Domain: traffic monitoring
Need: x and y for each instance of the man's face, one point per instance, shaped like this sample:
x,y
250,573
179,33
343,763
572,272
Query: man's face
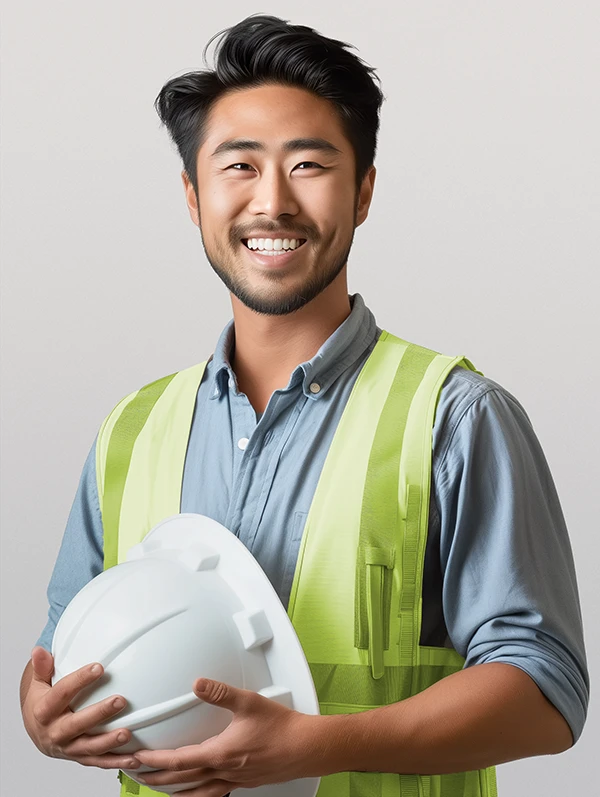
x,y
276,171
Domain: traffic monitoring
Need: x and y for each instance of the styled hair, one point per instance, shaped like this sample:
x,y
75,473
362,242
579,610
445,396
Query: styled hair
x,y
263,50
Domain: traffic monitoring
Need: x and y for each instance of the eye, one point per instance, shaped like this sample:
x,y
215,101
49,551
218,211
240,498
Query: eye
x,y
309,163
235,165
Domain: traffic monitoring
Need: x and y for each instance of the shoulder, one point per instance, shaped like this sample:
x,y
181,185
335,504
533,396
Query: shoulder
x,y
135,407
469,400
152,391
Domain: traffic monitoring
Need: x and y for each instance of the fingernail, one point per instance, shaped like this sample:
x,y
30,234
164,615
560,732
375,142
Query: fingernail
x,y
118,702
122,737
132,765
96,669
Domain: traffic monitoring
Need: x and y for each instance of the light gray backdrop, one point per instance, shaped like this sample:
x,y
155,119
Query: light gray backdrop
x,y
482,239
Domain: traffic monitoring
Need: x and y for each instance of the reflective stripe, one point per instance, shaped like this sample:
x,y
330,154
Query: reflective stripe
x,y
379,514
383,784
103,441
152,491
410,626
120,449
351,686
139,472
360,783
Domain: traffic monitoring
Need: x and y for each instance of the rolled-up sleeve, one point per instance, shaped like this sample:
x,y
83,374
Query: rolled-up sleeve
x,y
509,586
81,555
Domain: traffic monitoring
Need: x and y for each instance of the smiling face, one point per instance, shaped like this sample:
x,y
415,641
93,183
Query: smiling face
x,y
275,172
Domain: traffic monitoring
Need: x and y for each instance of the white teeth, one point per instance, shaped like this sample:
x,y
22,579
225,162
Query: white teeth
x,y
273,244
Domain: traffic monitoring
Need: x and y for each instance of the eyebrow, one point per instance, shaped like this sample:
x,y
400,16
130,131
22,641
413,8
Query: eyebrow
x,y
294,145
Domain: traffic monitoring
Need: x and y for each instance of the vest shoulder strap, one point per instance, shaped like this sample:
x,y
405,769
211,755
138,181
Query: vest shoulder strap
x,y
132,501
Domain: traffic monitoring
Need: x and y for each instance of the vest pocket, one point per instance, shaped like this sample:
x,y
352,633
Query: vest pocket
x,y
372,603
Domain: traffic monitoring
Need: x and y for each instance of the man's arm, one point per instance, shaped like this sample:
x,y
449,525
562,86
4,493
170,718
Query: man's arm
x,y
482,716
81,555
509,588
479,717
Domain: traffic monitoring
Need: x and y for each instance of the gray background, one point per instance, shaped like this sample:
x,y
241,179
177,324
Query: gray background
x,y
482,239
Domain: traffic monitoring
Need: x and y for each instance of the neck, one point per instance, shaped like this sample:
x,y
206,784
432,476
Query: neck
x,y
268,348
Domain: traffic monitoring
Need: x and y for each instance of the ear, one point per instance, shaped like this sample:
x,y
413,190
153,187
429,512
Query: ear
x,y
365,195
191,198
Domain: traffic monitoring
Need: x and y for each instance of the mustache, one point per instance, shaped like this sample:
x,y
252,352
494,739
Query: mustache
x,y
298,231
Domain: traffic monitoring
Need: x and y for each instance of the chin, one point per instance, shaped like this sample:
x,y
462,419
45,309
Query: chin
x,y
272,305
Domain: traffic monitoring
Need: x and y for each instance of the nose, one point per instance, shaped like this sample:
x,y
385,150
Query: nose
x,y
273,195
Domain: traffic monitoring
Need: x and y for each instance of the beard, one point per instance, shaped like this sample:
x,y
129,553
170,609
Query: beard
x,y
276,300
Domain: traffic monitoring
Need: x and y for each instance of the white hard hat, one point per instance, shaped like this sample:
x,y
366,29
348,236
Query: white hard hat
x,y
190,601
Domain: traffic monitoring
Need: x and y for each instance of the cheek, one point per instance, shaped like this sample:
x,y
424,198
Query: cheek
x,y
331,204
221,202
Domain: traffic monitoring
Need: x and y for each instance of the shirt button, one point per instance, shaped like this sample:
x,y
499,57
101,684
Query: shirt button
x,y
216,392
242,443
315,387
230,382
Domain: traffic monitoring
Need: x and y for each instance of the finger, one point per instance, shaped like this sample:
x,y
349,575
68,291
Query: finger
x,y
109,761
165,776
223,695
85,745
190,757
83,720
43,664
62,693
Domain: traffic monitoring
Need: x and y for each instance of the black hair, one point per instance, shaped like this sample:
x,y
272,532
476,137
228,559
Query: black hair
x,y
262,50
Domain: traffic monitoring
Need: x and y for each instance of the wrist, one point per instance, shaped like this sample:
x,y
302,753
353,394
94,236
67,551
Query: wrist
x,y
332,743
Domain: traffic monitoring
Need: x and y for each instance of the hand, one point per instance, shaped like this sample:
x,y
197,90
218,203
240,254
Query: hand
x,y
264,743
61,733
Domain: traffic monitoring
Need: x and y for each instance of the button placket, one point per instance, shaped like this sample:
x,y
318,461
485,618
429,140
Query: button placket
x,y
243,426
254,470
271,465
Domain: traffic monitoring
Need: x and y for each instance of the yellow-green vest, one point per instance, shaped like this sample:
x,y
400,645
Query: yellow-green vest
x,y
356,597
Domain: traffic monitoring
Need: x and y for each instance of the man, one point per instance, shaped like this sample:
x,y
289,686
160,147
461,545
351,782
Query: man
x,y
278,147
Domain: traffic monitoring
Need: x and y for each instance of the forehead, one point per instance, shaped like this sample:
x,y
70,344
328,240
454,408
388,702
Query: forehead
x,y
272,114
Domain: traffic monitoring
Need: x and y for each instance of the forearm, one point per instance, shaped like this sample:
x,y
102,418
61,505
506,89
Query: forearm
x,y
481,716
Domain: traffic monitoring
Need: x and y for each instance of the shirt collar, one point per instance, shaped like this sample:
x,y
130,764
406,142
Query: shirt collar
x,y
340,351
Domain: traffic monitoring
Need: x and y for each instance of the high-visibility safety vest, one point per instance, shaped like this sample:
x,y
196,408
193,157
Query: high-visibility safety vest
x,y
356,597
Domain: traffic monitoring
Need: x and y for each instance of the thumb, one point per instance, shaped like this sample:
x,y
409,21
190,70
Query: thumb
x,y
43,664
220,694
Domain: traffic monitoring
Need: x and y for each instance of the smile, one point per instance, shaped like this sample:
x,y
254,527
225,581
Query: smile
x,y
273,246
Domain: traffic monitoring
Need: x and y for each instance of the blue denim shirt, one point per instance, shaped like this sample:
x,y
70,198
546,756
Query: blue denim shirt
x,y
499,582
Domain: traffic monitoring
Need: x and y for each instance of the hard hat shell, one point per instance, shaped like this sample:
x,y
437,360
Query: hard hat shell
x,y
190,601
